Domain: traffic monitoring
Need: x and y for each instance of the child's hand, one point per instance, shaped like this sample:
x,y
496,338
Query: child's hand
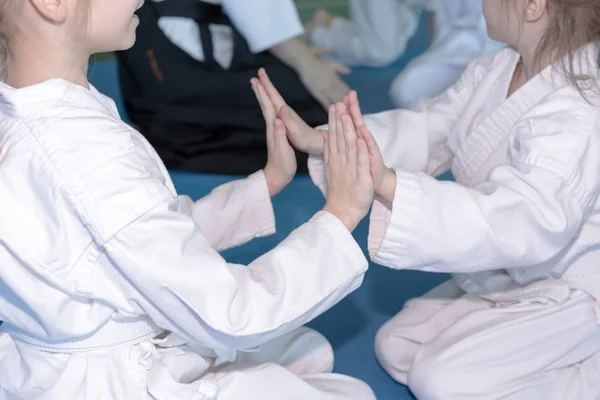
x,y
378,168
302,136
281,165
347,170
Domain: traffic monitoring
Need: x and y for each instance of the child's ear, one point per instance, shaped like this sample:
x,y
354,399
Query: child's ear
x,y
53,10
535,10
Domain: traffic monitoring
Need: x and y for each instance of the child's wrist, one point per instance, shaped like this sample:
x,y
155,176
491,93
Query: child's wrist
x,y
387,188
349,217
275,183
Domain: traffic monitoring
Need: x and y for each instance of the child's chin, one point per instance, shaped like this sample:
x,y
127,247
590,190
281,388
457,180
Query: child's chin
x,y
127,44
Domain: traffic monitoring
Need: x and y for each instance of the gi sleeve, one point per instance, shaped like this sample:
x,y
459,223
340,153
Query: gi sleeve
x,y
527,211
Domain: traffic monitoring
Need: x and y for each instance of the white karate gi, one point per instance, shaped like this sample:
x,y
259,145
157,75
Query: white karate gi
x,y
520,229
378,31
263,23
99,259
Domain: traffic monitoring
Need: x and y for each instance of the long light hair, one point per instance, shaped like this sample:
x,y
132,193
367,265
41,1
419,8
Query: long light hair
x,y
572,24
5,6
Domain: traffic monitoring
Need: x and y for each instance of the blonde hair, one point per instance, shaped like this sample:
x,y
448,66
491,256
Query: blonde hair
x,y
572,24
4,4
3,59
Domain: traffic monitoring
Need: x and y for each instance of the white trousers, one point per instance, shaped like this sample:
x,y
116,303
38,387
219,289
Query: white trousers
x,y
295,366
537,343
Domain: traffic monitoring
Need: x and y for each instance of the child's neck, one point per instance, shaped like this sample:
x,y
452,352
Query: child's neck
x,y
527,68
30,65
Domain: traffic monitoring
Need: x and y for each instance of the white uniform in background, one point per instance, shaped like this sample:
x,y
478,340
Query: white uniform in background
x,y
460,37
378,32
375,35
100,259
263,23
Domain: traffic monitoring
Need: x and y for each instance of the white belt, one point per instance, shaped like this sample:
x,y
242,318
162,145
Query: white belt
x,y
148,335
113,334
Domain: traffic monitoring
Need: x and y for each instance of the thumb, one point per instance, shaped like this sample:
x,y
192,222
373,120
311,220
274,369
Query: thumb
x,y
285,117
279,133
291,119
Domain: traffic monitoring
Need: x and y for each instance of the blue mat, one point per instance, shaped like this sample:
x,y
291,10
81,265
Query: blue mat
x,y
351,325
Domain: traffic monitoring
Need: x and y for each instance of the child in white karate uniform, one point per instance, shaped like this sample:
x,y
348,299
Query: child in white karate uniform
x,y
519,229
111,285
378,31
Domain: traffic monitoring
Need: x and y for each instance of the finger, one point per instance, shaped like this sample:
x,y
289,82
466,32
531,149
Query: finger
x,y
346,101
350,135
372,145
253,82
266,115
353,95
339,68
263,100
332,132
349,139
268,108
280,136
363,162
269,112
273,93
357,117
355,111
341,140
285,114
